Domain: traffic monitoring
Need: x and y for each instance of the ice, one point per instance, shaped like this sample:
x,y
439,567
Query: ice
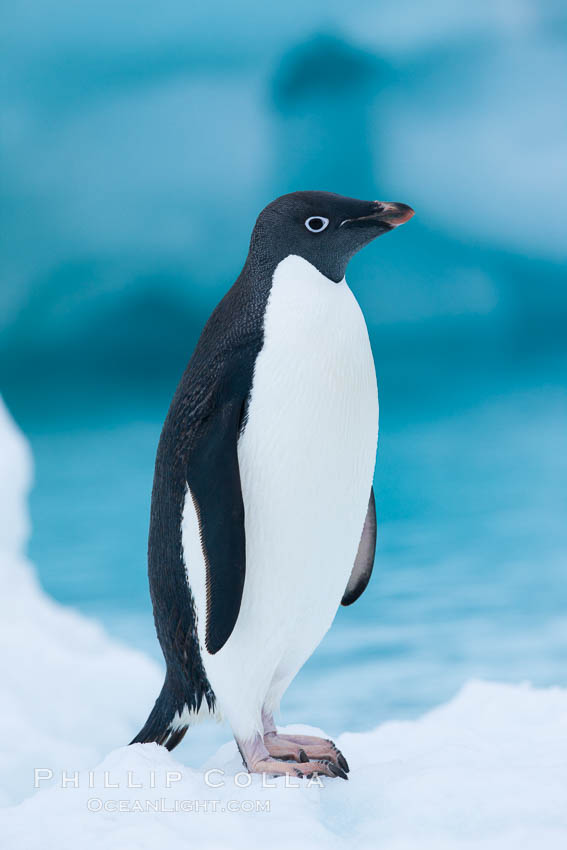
x,y
68,693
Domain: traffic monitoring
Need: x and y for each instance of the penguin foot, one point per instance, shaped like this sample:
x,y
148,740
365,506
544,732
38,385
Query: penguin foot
x,y
303,770
258,758
305,748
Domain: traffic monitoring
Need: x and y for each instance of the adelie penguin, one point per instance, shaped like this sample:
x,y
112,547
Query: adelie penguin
x,y
262,517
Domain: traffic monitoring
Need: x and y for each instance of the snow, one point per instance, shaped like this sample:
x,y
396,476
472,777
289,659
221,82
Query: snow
x,y
486,770
67,692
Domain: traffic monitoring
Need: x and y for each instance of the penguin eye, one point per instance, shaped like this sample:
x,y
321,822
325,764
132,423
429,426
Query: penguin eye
x,y
316,223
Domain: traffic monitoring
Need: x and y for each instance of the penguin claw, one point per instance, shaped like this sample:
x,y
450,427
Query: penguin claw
x,y
341,760
337,771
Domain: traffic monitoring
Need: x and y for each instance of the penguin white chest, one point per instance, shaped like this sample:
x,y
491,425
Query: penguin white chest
x,y
306,459
307,455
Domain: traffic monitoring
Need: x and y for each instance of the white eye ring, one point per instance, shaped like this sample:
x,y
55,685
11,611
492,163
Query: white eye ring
x,y
316,220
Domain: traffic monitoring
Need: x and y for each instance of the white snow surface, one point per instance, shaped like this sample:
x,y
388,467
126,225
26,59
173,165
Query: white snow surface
x,y
486,770
68,693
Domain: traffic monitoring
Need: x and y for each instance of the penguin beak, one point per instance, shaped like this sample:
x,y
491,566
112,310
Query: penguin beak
x,y
384,213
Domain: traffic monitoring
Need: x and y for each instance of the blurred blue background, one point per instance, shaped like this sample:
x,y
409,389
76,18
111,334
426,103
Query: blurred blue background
x,y
139,143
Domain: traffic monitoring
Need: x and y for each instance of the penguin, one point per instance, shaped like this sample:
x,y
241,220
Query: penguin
x,y
263,518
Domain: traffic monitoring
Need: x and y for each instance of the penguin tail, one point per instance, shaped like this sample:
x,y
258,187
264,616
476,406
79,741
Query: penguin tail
x,y
167,723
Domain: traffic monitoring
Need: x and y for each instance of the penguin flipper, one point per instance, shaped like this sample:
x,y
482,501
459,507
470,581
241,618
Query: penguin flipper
x,y
213,478
364,561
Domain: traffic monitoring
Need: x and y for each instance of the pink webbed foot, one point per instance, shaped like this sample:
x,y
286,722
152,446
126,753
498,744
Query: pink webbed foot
x,y
259,758
301,748
304,748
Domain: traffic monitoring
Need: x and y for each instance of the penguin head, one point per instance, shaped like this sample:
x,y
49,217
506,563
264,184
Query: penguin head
x,y
323,228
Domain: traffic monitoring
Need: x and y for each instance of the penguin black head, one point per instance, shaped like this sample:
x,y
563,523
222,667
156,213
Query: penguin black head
x,y
323,228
